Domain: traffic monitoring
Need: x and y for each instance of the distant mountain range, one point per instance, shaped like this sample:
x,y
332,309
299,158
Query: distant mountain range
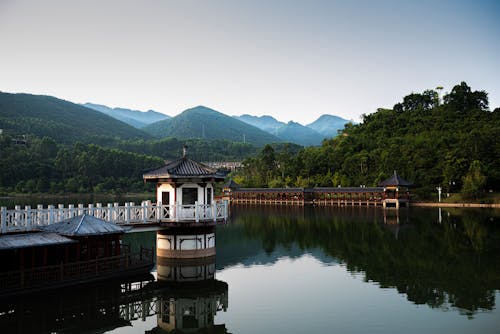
x,y
138,119
326,126
68,122
203,122
61,120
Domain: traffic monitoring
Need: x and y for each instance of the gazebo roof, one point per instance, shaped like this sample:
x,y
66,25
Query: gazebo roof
x,y
181,168
231,184
395,180
84,225
36,239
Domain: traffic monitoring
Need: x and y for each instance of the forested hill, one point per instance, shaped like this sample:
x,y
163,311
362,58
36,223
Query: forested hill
x,y
450,142
65,122
206,123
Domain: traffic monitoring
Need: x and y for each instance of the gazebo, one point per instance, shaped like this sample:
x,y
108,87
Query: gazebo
x,y
183,182
185,194
396,190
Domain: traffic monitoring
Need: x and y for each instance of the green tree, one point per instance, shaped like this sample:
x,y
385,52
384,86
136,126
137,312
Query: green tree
x,y
474,181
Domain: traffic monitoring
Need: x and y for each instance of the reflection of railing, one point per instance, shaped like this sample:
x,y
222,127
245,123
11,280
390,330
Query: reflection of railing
x,y
29,219
75,271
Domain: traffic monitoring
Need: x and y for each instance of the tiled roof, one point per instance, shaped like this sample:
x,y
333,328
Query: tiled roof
x,y
231,184
84,225
34,239
182,167
395,180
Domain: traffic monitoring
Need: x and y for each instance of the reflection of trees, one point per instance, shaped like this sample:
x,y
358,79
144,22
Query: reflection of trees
x,y
450,264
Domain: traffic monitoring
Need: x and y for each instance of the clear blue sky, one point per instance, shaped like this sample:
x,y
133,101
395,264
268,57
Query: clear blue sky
x,y
294,60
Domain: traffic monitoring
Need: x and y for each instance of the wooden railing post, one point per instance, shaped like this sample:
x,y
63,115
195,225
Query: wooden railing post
x,y
144,208
71,209
17,216
80,210
27,208
116,212
91,210
159,211
40,217
98,210
196,217
214,211
60,213
51,214
3,221
132,212
109,211
127,212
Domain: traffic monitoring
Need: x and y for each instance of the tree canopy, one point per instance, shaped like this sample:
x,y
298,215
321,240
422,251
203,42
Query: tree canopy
x,y
428,142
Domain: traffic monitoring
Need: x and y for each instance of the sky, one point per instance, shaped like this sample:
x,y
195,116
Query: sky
x,y
293,60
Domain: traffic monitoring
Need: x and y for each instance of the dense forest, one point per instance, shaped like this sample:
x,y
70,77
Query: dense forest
x,y
38,165
41,165
450,142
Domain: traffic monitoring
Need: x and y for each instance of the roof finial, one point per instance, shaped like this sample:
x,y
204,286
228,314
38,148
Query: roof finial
x,y
184,151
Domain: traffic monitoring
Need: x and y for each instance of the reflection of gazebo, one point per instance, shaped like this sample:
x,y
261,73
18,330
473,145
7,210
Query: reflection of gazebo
x,y
396,191
191,307
188,296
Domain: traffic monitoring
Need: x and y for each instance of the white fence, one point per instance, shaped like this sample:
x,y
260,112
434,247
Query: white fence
x,y
28,219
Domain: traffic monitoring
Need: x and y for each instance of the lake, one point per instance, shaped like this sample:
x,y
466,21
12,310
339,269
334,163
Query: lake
x,y
303,270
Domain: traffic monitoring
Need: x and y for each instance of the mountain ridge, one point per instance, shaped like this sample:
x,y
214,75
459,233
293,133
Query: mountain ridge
x,y
64,121
204,122
135,118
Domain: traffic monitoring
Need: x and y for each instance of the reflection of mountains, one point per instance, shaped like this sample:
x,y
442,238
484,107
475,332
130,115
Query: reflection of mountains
x,y
450,264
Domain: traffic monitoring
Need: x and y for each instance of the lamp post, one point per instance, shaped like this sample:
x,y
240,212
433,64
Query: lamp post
x,y
439,193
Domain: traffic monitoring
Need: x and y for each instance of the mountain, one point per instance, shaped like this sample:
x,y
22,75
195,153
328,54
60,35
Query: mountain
x,y
203,122
265,123
328,125
65,122
292,132
299,134
136,118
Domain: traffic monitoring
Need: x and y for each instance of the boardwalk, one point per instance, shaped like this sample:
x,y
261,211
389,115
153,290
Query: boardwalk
x,y
30,219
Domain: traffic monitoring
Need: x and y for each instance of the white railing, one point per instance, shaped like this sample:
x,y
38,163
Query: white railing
x,y
27,218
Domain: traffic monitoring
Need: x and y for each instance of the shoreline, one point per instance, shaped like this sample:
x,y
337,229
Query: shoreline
x,y
455,205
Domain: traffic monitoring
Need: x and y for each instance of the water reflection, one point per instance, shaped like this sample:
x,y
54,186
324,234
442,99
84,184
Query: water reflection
x,y
182,303
453,264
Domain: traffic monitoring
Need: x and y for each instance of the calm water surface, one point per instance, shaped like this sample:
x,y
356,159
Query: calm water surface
x,y
306,270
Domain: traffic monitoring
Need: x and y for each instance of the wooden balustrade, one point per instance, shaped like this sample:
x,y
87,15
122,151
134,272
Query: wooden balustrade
x,y
27,219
